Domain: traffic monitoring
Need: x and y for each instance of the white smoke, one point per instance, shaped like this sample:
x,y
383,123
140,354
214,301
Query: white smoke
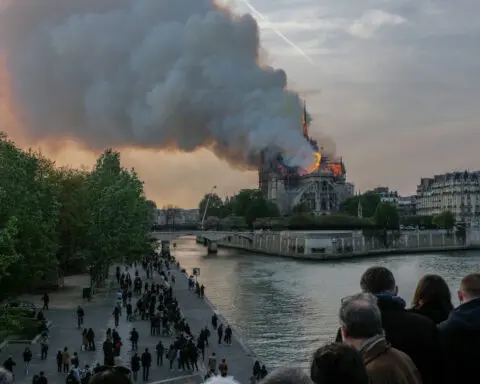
x,y
156,74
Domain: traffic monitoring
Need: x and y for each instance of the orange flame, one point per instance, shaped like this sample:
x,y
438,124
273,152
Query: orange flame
x,y
318,159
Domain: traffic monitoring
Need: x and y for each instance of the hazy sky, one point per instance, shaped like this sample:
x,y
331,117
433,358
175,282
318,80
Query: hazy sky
x,y
395,83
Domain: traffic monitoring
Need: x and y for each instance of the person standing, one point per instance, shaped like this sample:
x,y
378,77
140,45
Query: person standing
x,y
135,365
65,360
46,300
220,333
146,363
134,339
223,368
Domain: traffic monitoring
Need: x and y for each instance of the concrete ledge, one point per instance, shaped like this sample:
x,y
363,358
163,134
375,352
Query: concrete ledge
x,y
10,340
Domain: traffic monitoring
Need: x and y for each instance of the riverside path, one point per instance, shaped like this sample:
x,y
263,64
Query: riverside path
x,y
198,313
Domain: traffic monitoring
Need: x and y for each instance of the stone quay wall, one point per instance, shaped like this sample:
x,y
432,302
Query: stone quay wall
x,y
322,245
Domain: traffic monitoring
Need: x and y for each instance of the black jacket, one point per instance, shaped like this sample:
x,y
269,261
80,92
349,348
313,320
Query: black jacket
x,y
146,359
435,313
413,334
460,337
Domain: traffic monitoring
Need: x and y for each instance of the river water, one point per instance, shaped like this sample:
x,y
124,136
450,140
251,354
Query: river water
x,y
285,309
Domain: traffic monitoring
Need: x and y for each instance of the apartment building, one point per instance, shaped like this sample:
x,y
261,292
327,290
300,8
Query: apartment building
x,y
177,216
457,192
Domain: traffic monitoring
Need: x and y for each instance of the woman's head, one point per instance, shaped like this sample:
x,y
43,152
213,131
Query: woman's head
x,y
432,289
110,375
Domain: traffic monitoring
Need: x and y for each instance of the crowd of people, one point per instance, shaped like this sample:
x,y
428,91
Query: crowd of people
x,y
379,340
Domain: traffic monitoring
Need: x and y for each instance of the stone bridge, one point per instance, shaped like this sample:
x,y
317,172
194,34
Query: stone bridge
x,y
208,236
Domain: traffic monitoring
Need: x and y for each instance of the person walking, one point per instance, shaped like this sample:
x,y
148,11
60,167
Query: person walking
x,y
44,347
27,357
135,365
146,363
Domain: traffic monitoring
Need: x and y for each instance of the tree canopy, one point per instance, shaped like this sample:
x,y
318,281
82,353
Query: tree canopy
x,y
444,220
386,216
61,220
248,204
369,202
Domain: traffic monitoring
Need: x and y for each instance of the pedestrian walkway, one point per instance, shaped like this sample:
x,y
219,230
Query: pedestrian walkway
x,y
63,333
198,313
99,316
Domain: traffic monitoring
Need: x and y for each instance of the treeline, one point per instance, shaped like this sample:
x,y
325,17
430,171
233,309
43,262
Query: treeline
x,y
250,210
59,220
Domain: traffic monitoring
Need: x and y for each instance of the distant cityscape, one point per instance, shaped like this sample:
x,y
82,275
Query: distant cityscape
x,y
457,192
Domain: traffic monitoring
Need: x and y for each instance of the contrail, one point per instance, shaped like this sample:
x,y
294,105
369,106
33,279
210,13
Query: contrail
x,y
278,32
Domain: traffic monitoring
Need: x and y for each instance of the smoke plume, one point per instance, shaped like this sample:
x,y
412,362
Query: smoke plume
x,y
156,74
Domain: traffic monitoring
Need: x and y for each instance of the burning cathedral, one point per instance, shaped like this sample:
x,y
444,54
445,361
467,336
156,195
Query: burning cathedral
x,y
321,189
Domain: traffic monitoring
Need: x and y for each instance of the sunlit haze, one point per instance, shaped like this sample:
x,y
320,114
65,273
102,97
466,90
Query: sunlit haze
x,y
394,85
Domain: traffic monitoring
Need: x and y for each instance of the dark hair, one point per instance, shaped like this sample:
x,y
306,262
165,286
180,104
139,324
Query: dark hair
x,y
432,289
287,376
471,285
338,363
360,316
110,375
377,280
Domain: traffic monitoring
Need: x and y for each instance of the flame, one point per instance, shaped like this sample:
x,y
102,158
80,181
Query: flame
x,y
318,159
336,169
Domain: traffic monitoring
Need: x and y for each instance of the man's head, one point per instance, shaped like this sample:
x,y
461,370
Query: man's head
x,y
338,363
360,318
469,288
287,376
378,280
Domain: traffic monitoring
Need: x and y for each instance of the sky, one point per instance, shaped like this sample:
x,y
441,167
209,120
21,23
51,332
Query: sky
x,y
394,83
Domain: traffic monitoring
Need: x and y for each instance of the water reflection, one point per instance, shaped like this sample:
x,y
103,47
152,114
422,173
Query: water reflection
x,y
286,308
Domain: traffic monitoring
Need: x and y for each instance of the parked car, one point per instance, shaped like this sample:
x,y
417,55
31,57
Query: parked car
x,y
28,307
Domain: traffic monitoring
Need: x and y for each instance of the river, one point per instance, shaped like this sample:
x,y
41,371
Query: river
x,y
285,309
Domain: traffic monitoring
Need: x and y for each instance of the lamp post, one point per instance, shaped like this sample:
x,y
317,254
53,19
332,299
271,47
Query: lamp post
x,y
206,205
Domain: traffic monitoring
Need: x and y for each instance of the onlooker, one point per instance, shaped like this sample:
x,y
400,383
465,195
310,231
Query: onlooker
x,y
287,376
109,375
27,358
223,368
414,334
338,363
362,329
66,360
432,298
460,333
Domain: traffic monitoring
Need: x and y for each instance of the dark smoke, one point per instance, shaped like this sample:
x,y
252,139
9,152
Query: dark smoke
x,y
156,74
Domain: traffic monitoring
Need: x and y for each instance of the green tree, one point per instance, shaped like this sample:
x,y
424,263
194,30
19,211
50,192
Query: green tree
x,y
244,199
118,224
28,217
215,205
73,219
444,220
386,217
369,202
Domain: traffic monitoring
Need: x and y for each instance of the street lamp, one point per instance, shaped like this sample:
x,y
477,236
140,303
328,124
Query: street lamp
x,y
206,205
